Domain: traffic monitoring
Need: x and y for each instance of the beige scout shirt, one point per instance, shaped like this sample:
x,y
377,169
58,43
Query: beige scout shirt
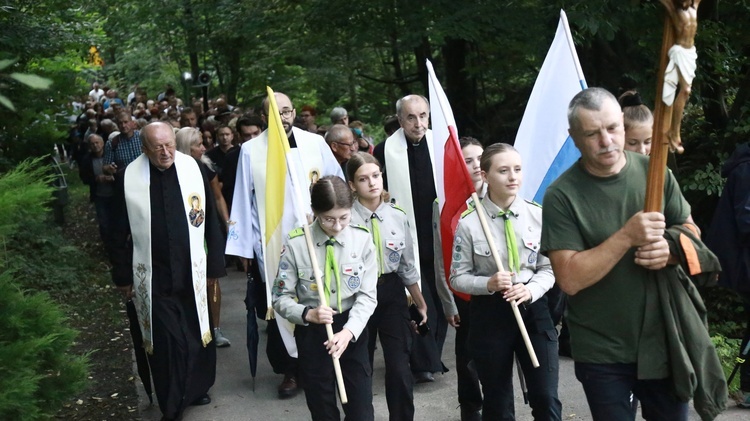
x,y
295,287
398,253
473,263
441,281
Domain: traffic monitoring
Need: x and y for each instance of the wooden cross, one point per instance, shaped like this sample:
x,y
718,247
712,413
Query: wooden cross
x,y
680,25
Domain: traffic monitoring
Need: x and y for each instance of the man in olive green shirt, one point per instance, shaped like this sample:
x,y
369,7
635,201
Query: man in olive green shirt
x,y
602,247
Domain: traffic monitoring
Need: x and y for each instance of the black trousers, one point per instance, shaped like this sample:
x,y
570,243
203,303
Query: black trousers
x,y
255,303
319,380
427,350
182,369
469,391
391,321
495,339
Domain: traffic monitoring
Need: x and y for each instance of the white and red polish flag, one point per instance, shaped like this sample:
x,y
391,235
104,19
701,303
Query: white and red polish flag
x,y
453,183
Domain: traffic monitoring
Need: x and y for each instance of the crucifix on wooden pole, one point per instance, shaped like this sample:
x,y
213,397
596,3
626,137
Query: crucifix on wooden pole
x,y
676,72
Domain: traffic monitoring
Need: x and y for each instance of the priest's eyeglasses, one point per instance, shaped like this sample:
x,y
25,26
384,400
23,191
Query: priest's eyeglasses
x,y
163,147
286,113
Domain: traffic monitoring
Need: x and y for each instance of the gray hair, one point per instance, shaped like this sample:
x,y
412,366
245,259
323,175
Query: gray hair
x,y
108,125
186,137
400,102
337,114
336,133
590,99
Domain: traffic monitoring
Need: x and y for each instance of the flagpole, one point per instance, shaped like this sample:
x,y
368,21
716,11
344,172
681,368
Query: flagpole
x,y
496,256
318,281
572,46
445,109
322,298
274,113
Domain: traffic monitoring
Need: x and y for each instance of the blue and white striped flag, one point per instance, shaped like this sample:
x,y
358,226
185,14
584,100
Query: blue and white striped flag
x,y
542,138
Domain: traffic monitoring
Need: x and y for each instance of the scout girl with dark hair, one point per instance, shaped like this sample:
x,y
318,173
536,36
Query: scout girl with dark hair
x,y
346,256
494,337
395,266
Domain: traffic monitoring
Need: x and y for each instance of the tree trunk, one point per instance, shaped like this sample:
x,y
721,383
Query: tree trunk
x,y
460,89
422,53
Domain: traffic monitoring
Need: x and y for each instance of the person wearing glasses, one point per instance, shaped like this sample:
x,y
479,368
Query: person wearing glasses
x,y
309,155
346,257
342,143
166,267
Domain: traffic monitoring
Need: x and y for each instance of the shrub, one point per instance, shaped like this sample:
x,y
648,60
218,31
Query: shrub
x,y
36,250
728,350
37,372
37,368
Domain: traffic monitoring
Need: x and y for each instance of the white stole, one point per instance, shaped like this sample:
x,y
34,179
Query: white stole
x,y
399,179
138,201
304,167
312,163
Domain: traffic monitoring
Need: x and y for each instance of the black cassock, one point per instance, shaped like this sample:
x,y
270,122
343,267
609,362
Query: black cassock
x,y
182,368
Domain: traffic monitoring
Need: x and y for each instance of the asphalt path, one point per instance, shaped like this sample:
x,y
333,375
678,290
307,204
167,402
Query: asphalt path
x,y
233,398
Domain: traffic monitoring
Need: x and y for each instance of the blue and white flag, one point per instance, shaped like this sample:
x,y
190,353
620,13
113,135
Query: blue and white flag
x,y
542,138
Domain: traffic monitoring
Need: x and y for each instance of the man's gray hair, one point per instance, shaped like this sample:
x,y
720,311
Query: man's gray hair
x,y
590,99
401,101
108,125
336,133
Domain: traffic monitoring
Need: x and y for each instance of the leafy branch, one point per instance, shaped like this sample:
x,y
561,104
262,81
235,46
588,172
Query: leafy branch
x,y
30,80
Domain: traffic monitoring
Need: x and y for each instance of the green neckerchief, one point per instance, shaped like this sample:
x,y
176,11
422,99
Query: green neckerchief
x,y
332,266
378,243
510,241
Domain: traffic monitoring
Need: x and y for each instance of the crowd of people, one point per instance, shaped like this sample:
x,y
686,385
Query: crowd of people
x,y
181,193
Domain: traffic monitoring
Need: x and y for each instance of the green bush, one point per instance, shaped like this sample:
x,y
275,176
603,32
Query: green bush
x,y
30,245
37,372
728,350
24,193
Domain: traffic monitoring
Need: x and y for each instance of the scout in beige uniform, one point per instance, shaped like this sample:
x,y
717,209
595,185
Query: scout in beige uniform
x,y
391,236
494,336
456,306
346,256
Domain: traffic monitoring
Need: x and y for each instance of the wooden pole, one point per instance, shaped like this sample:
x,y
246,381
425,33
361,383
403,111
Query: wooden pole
x,y
662,123
496,256
322,298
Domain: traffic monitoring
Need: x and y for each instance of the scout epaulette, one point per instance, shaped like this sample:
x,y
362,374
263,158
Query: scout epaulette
x,y
362,227
296,232
395,206
531,202
467,212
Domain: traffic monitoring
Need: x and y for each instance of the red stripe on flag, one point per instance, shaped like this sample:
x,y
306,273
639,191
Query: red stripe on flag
x,y
458,189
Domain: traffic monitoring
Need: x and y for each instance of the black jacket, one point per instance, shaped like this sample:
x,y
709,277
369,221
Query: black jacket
x,y
729,234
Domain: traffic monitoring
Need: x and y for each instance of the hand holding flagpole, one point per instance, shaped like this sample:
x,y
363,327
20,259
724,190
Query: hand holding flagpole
x,y
454,185
275,124
514,305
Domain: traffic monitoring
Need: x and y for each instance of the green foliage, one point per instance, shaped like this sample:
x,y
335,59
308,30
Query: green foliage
x,y
728,350
30,245
37,372
707,180
24,191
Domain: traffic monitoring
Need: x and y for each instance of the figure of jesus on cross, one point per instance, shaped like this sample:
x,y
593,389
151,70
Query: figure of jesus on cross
x,y
682,63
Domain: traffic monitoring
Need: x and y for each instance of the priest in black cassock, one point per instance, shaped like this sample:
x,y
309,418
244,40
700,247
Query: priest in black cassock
x,y
176,245
406,158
